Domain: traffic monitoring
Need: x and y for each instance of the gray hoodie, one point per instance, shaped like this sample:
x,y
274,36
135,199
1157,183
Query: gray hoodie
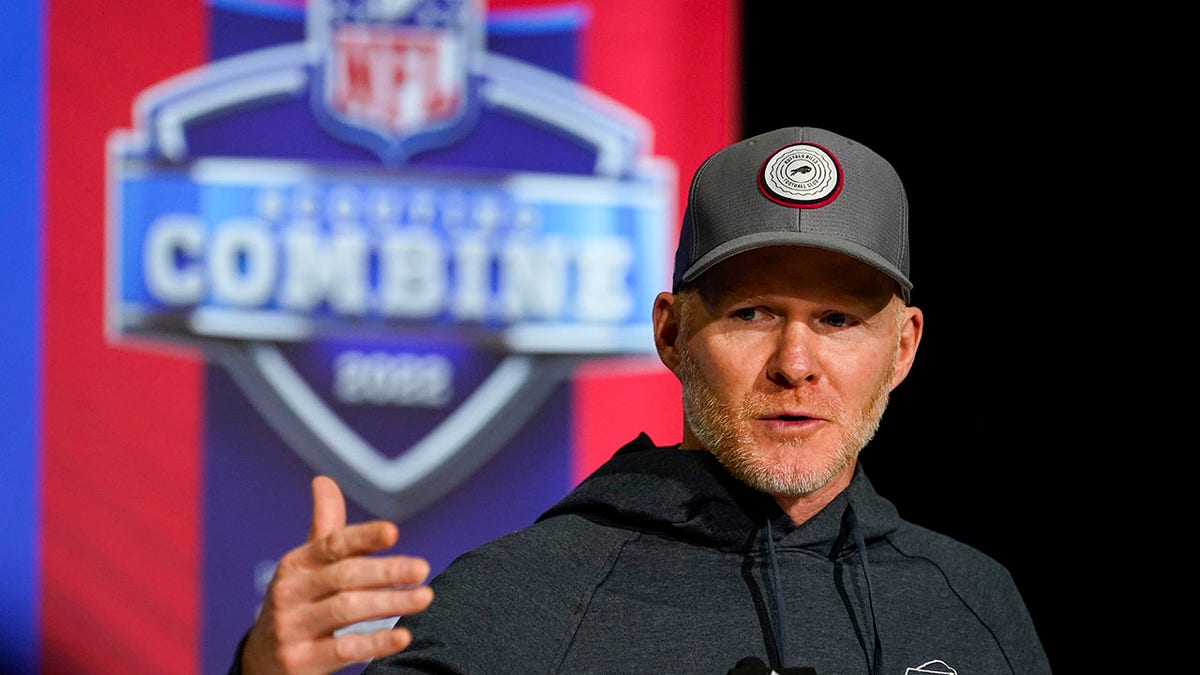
x,y
662,562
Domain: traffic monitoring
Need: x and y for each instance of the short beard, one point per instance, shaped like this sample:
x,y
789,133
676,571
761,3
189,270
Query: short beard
x,y
722,428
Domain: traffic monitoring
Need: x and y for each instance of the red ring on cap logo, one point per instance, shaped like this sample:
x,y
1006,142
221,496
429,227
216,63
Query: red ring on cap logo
x,y
801,175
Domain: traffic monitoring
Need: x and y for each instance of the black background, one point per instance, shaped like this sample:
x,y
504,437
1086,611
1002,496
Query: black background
x,y
981,121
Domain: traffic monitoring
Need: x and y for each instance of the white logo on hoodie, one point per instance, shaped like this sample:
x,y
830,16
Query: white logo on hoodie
x,y
934,667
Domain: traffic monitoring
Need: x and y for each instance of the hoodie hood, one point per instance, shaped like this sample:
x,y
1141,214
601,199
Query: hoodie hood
x,y
689,495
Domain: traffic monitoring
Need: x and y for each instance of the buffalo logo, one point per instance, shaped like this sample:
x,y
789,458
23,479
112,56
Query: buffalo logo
x,y
802,175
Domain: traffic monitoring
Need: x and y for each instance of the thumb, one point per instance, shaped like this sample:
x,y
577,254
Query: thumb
x,y
329,507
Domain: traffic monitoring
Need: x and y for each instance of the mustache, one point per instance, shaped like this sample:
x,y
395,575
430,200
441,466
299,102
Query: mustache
x,y
812,404
699,394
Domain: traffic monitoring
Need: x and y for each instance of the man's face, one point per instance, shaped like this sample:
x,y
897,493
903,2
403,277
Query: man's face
x,y
786,356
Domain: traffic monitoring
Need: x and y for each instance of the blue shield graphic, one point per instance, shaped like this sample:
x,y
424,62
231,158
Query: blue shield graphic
x,y
396,293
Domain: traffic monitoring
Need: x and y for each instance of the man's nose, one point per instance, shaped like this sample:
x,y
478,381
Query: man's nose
x,y
794,358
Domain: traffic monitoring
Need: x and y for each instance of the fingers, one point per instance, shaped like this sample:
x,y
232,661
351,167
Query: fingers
x,y
329,507
332,653
371,572
304,608
314,600
353,647
328,654
329,536
351,607
330,582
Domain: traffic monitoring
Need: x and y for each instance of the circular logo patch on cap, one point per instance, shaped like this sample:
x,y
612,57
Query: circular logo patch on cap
x,y
803,175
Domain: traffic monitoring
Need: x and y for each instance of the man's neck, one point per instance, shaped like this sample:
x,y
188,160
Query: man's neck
x,y
800,508
803,507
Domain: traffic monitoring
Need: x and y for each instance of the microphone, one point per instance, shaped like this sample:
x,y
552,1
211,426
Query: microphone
x,y
752,665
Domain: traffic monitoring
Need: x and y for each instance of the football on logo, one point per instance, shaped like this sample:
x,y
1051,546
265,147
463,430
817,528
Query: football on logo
x,y
803,175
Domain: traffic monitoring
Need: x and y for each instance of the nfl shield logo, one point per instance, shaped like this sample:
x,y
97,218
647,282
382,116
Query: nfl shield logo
x,y
396,75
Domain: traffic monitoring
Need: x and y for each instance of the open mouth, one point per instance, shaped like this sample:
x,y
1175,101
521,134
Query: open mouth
x,y
789,417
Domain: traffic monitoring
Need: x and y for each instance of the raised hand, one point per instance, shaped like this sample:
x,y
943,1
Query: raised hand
x,y
329,582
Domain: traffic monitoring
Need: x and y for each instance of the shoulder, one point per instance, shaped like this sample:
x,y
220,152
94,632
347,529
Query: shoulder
x,y
980,579
981,583
947,553
562,546
515,600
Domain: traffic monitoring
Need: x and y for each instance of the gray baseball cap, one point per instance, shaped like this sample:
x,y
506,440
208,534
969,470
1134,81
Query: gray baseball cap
x,y
798,186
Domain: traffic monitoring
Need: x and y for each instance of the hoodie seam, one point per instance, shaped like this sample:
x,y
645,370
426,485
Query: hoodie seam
x,y
969,607
584,601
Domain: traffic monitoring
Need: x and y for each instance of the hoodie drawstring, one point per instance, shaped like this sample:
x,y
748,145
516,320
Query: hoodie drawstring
x,y
781,615
777,595
860,543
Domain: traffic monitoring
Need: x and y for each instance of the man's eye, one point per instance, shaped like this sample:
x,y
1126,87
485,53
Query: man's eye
x,y
746,313
838,320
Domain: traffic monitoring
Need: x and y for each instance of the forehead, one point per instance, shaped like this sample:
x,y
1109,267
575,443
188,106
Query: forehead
x,y
799,271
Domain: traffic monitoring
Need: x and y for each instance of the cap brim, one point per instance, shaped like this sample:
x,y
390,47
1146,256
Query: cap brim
x,y
814,240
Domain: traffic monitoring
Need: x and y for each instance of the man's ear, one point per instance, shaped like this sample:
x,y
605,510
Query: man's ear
x,y
666,328
910,339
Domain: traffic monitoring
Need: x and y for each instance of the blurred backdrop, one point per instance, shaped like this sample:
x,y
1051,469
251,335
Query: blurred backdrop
x,y
251,240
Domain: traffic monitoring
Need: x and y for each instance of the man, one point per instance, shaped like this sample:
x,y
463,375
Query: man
x,y
758,539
